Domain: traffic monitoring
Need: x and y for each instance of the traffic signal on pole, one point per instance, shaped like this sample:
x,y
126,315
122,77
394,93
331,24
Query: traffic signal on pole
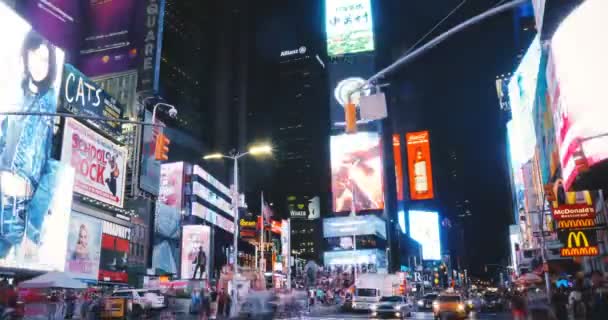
x,y
350,116
161,148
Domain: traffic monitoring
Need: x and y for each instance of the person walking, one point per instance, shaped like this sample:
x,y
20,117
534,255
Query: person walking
x,y
221,303
599,297
203,306
559,302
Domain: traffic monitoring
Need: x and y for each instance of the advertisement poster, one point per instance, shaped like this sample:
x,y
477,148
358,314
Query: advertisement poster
x,y
398,166
100,164
575,84
35,216
196,241
114,252
84,247
102,36
150,167
419,165
285,242
304,207
356,169
349,26
248,227
81,96
424,228
166,238
171,184
578,243
345,75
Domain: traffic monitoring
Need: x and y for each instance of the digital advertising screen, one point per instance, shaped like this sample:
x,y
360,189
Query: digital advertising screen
x,y
424,228
419,165
349,26
356,169
171,184
398,166
99,163
304,207
196,246
522,92
358,226
36,209
114,252
84,247
575,76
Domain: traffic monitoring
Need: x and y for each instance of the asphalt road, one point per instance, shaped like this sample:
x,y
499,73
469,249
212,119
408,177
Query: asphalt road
x,y
341,316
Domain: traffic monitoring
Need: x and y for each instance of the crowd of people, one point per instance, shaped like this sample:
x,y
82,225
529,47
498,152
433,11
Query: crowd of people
x,y
581,301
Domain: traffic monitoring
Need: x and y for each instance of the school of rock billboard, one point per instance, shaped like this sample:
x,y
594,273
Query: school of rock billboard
x,y
100,164
35,213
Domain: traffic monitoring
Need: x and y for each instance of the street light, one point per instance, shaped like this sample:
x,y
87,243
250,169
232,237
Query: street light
x,y
256,150
172,111
235,156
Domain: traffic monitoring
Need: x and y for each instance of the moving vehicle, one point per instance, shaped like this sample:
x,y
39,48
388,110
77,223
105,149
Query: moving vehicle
x,y
392,306
141,299
449,305
492,302
370,287
426,302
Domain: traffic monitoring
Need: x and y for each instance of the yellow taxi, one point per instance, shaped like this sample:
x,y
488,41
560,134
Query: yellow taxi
x,y
450,306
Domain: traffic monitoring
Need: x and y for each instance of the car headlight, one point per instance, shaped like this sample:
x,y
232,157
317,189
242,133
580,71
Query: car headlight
x,y
420,303
354,304
460,307
373,307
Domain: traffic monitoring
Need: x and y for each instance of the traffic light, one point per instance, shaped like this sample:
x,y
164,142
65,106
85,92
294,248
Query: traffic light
x,y
161,148
351,117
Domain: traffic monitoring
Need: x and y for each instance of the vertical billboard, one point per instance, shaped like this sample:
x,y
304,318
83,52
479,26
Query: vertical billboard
x,y
286,242
172,184
114,252
150,167
196,246
424,228
100,164
419,165
84,247
349,26
398,166
81,96
356,169
575,74
165,240
34,207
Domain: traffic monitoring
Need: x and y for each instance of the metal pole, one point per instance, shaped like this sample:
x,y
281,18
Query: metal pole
x,y
235,212
289,254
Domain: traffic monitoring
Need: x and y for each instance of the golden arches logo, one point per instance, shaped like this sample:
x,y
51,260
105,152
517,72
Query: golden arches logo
x,y
577,236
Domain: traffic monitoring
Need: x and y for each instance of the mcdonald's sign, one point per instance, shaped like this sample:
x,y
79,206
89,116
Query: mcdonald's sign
x,y
578,243
575,224
574,211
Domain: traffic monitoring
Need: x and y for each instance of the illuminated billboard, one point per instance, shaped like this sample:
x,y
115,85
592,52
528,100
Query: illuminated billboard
x,y
100,164
575,77
419,165
522,92
398,165
358,226
35,211
84,247
349,26
171,184
424,228
356,168
196,246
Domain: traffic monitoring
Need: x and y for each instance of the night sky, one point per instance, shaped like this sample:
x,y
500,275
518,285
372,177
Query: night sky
x,y
450,91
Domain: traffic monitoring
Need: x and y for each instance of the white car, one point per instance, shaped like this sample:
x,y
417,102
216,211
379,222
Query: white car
x,y
392,307
142,299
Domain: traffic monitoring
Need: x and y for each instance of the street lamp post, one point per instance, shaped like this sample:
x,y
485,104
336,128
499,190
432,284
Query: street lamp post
x,y
172,110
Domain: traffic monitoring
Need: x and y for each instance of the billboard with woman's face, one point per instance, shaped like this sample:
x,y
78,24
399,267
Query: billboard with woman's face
x,y
84,247
356,168
34,214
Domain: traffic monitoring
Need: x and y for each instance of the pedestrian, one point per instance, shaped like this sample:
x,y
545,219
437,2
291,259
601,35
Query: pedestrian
x,y
204,306
221,303
228,304
559,302
576,303
518,307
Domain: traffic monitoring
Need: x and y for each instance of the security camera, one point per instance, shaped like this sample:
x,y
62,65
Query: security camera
x,y
173,113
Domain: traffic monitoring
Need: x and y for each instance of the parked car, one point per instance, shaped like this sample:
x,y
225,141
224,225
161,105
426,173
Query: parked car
x,y
392,306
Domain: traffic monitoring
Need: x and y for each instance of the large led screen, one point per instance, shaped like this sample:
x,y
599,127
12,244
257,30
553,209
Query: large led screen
x,y
419,165
358,226
349,26
424,228
35,209
576,74
356,168
522,91
196,246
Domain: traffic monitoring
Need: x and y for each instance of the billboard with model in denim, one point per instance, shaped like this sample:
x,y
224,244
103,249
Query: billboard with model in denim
x,y
33,216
